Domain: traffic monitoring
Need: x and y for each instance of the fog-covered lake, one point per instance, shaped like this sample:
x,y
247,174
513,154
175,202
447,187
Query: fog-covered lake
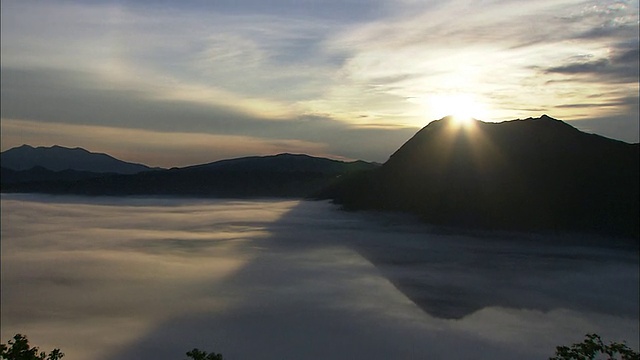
x,y
115,278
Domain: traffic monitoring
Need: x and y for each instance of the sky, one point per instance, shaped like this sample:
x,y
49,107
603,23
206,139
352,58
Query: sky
x,y
178,83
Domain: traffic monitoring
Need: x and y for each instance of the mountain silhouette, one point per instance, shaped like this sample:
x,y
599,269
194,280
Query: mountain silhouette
x,y
59,158
535,174
282,163
41,174
283,175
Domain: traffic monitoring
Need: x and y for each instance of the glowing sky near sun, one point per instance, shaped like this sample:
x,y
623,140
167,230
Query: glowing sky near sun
x,y
346,79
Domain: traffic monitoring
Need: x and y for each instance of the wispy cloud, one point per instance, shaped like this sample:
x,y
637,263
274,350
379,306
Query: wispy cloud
x,y
621,66
236,61
54,99
491,51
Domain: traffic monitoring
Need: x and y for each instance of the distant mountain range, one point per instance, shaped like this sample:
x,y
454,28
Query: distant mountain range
x,y
59,158
532,174
536,174
283,175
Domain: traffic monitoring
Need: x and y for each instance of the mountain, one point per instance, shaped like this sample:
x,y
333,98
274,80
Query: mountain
x,y
40,174
58,158
535,174
288,163
283,175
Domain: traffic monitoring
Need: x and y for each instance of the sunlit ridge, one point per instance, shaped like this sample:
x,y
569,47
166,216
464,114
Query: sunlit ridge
x,y
460,107
462,120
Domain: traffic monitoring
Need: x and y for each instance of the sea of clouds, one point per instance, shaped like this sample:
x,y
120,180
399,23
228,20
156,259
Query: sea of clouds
x,y
151,278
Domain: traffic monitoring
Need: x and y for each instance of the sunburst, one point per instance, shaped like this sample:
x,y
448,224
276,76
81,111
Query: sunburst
x,y
462,107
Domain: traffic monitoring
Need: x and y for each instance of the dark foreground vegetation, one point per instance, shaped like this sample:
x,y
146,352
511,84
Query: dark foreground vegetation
x,y
592,347
19,349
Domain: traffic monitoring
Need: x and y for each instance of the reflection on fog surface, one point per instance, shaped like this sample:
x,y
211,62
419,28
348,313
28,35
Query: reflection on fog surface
x,y
117,278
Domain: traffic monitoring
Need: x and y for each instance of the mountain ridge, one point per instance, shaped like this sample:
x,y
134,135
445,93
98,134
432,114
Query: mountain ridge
x,y
280,162
59,158
531,174
281,175
539,174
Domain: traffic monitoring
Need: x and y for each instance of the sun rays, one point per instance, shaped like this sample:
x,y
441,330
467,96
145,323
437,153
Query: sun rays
x,y
463,121
462,107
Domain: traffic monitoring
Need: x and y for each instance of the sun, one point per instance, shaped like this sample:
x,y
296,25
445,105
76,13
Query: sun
x,y
462,107
462,120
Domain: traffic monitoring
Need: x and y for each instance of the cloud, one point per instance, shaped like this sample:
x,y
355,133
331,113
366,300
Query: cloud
x,y
588,67
344,10
75,98
614,124
241,74
620,67
491,53
235,61
607,102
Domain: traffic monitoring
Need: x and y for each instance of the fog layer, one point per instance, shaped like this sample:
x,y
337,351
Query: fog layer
x,y
109,278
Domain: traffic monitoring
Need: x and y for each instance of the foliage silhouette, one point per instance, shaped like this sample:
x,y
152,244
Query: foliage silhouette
x,y
197,354
19,349
593,346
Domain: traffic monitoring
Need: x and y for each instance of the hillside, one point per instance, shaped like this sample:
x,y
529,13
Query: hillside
x,y
59,158
283,175
533,174
40,174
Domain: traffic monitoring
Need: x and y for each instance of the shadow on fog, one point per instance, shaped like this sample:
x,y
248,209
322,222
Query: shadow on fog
x,y
312,289
451,274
